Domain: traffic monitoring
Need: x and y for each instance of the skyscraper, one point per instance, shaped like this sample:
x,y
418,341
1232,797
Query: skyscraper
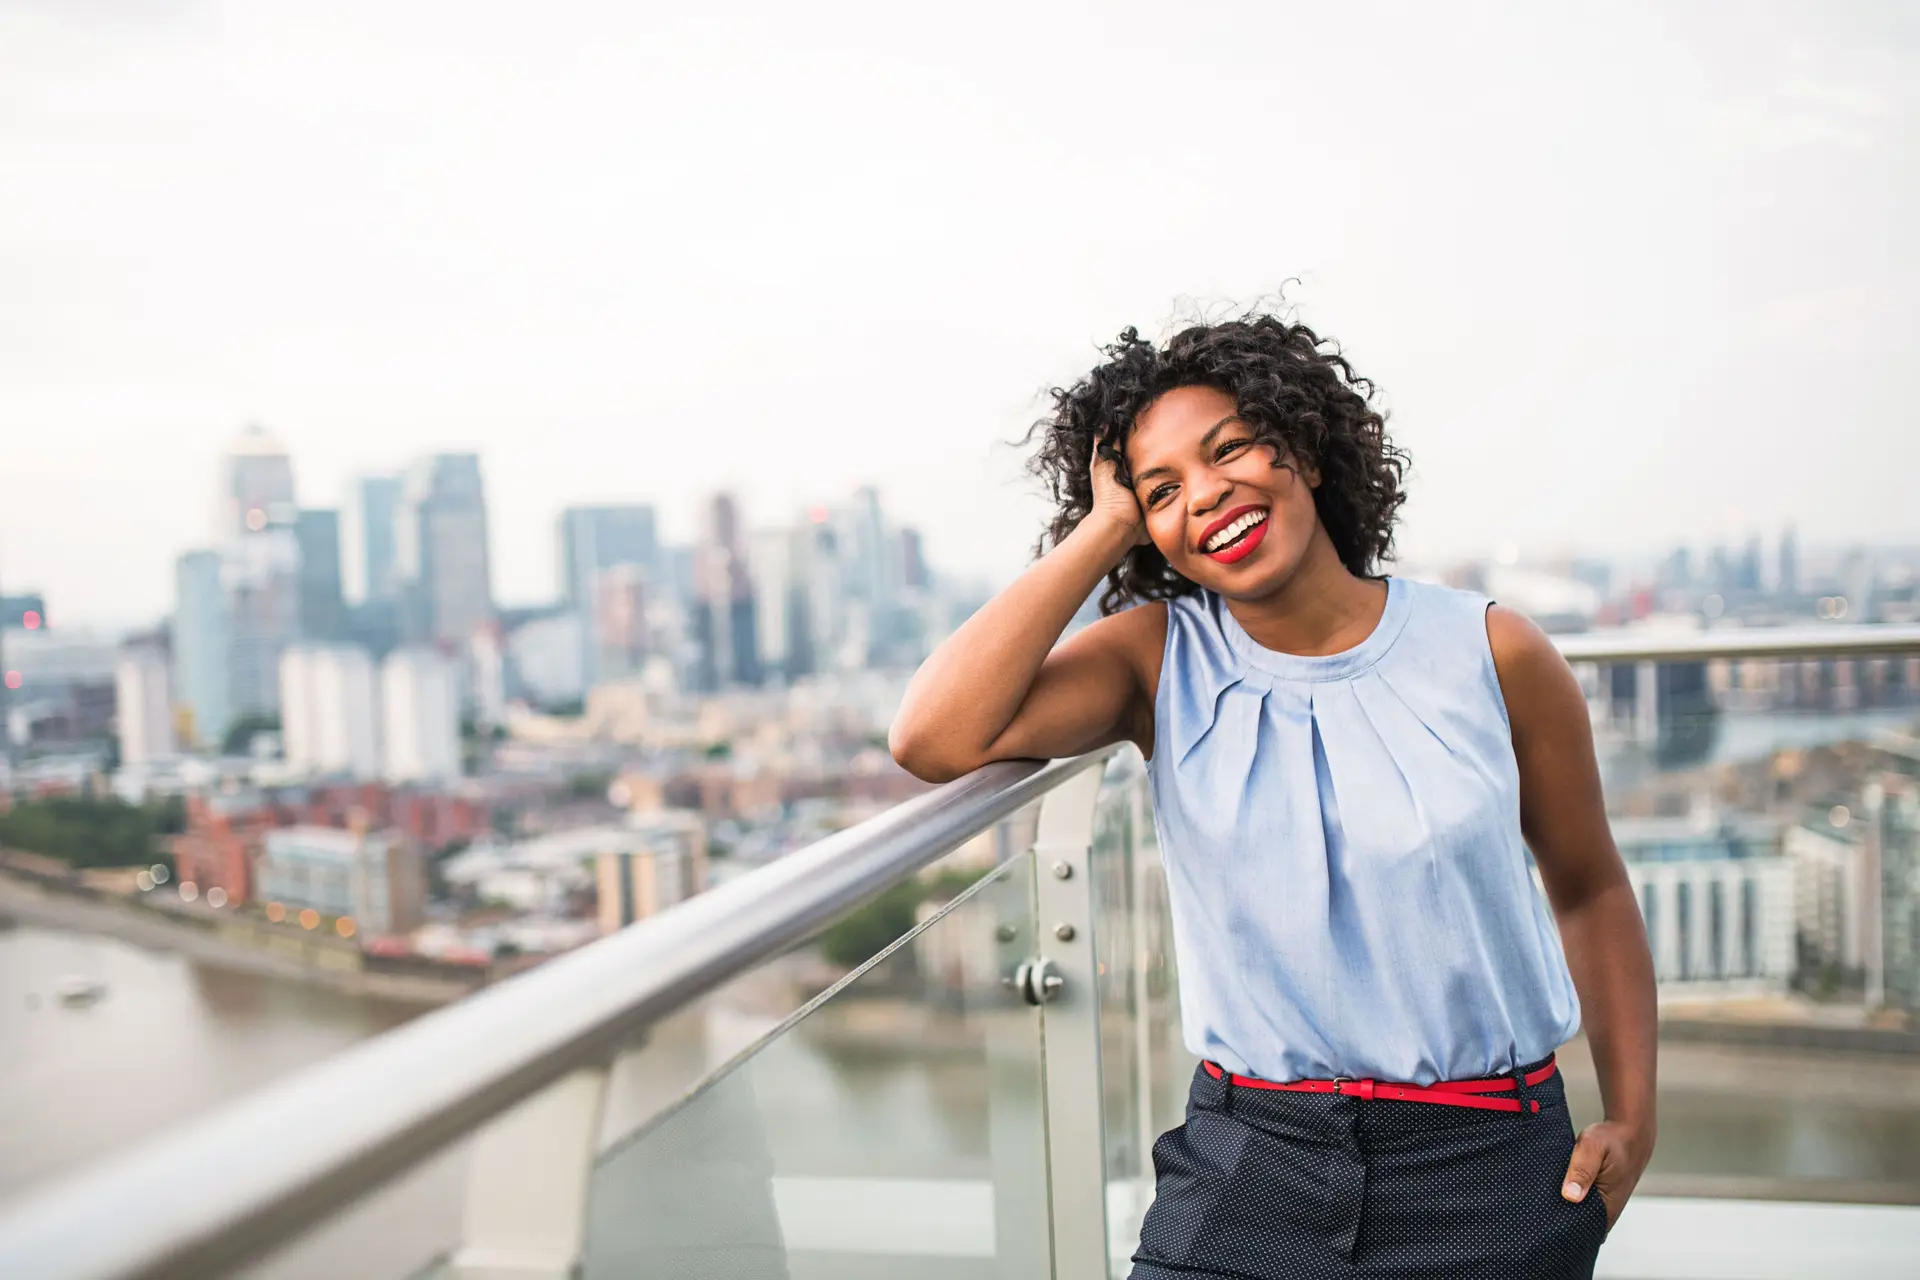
x,y
420,709
323,611
327,723
369,539
775,588
261,567
592,541
723,621
143,705
256,488
596,538
202,682
1748,575
1789,563
442,553
620,637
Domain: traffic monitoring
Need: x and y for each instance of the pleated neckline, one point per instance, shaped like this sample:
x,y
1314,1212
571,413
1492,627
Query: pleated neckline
x,y
1318,667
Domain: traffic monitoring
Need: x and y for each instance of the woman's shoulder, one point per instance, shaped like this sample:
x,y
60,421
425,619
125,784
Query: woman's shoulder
x,y
1139,632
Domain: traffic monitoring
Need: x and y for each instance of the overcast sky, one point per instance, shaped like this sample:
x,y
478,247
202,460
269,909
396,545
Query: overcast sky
x,y
1643,273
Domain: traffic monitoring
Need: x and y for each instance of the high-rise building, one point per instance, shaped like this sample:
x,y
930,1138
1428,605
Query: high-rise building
x,y
327,719
619,637
1898,803
824,613
256,486
323,609
201,648
775,584
22,612
1747,577
488,665
1676,570
369,539
420,709
143,705
912,560
1789,563
260,567
375,625
1716,899
883,575
594,540
723,615
443,559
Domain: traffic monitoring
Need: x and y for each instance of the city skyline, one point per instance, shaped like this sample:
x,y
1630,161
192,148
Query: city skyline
x,y
1637,278
333,515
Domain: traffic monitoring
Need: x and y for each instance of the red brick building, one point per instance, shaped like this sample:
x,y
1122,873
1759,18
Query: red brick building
x,y
225,833
223,837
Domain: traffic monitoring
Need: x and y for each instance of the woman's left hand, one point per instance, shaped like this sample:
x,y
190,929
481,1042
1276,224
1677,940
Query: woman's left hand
x,y
1609,1158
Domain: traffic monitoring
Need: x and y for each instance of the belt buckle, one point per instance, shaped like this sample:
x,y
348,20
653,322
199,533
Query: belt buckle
x,y
1340,1080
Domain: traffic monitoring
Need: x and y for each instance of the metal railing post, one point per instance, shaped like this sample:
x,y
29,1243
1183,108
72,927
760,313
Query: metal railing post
x,y
1070,1021
526,1207
1016,1088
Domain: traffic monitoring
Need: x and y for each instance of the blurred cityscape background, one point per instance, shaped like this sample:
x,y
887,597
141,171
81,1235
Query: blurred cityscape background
x,y
338,759
471,484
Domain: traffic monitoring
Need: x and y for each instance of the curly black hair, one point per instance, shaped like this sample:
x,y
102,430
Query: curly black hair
x,y
1294,389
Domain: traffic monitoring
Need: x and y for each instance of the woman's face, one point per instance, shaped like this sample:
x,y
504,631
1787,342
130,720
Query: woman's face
x,y
1227,512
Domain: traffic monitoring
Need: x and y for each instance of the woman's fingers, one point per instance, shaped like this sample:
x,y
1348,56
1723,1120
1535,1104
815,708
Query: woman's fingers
x,y
1589,1157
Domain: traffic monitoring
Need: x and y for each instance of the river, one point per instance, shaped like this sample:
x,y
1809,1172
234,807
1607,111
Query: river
x,y
171,1038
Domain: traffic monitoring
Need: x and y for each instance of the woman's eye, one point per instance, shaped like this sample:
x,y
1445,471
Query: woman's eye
x,y
1229,448
1153,499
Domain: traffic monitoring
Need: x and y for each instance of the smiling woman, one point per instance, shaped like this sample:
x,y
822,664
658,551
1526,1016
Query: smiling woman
x,y
1280,386
1349,772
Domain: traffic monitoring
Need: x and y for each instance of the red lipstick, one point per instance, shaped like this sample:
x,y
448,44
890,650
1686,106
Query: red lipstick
x,y
1249,540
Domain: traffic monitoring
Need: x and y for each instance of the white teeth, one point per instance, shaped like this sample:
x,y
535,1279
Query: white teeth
x,y
1235,529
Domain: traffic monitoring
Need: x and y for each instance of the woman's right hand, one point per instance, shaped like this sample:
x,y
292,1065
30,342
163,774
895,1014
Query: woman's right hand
x,y
1113,501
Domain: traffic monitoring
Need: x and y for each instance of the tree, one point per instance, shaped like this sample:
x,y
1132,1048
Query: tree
x,y
590,786
85,831
865,932
169,815
239,739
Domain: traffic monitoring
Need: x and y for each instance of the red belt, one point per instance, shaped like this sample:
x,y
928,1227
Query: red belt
x,y
1452,1093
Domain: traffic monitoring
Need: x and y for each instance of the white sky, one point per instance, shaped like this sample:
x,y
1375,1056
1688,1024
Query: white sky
x,y
1634,275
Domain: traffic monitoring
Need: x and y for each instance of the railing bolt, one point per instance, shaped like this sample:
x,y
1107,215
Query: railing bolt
x,y
1006,933
1064,932
1038,980
1063,871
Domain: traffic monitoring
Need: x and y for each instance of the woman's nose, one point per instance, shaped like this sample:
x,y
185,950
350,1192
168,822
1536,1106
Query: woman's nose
x,y
1208,497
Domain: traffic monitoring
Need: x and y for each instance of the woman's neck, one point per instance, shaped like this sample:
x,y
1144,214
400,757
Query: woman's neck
x,y
1321,608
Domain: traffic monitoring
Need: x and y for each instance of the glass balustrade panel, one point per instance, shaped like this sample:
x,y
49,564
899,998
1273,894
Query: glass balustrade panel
x,y
1769,814
893,1126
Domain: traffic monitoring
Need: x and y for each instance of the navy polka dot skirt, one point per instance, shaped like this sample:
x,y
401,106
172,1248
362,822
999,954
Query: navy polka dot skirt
x,y
1265,1185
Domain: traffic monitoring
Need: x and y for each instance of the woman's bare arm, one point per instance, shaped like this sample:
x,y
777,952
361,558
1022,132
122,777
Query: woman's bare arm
x,y
999,690
1564,819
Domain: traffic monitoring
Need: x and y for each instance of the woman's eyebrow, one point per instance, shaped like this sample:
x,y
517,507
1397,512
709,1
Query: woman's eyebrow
x,y
1205,441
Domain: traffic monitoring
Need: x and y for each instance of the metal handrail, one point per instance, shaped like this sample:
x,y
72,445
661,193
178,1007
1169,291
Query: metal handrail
x,y
1839,640
252,1176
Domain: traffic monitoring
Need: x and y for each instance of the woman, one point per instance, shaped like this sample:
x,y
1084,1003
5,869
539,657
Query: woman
x,y
1348,772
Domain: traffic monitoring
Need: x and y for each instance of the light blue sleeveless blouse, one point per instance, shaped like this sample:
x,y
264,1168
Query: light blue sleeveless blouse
x,y
1351,894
